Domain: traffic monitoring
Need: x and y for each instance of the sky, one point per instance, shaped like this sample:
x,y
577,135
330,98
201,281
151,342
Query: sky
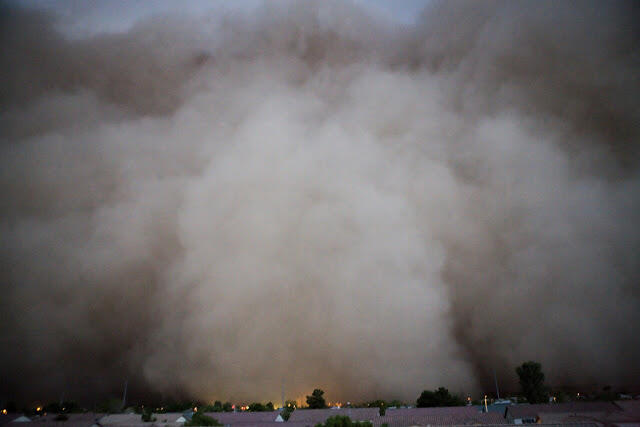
x,y
81,18
370,198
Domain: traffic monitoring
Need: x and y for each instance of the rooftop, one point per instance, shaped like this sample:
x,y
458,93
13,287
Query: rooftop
x,y
314,416
456,415
527,410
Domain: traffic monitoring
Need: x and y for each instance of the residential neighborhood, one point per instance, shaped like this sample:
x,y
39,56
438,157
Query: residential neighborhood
x,y
623,413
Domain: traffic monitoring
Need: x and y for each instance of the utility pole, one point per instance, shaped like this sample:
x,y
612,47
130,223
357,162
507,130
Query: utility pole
x,y
496,380
282,393
124,395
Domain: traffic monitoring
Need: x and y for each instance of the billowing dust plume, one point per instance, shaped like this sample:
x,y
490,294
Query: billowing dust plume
x,y
308,193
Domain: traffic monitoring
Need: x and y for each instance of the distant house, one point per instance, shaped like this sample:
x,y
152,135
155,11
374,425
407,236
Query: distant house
x,y
185,417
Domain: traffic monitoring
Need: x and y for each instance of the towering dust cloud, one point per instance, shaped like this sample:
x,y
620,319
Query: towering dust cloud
x,y
209,205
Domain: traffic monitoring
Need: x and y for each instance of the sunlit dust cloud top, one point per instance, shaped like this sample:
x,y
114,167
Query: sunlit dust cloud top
x,y
305,193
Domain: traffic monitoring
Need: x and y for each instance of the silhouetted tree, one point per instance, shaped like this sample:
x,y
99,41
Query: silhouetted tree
x,y
180,406
532,382
53,407
68,406
289,407
200,419
110,406
286,412
381,404
291,404
343,421
606,394
147,415
439,397
316,401
259,407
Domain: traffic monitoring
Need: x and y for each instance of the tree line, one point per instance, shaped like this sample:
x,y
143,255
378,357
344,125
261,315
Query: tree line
x,y
530,377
